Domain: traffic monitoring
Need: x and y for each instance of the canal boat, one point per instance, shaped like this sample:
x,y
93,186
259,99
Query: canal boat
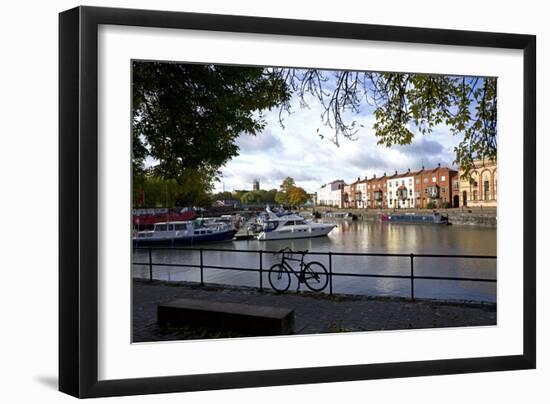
x,y
434,218
184,232
292,226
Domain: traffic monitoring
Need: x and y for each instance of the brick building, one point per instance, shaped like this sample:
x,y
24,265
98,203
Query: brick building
x,y
434,187
438,187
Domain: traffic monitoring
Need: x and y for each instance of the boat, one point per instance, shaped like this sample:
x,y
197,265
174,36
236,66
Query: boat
x,y
434,218
184,232
341,215
292,226
148,217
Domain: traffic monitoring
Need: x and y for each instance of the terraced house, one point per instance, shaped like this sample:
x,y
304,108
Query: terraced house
x,y
439,187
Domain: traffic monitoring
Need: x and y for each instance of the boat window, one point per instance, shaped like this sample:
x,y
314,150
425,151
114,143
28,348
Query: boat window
x,y
290,223
171,227
180,226
160,227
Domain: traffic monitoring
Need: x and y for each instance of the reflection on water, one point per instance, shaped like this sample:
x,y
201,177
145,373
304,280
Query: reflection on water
x,y
356,236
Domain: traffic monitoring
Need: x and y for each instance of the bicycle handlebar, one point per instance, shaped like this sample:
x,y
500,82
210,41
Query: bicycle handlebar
x,y
289,250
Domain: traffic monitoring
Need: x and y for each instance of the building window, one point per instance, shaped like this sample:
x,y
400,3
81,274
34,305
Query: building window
x,y
443,189
474,195
442,178
434,179
418,180
486,190
425,180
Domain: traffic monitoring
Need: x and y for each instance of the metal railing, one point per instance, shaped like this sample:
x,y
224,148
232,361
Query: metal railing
x,y
411,276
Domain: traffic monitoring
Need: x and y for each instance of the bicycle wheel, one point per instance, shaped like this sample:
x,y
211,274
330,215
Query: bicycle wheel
x,y
315,276
279,278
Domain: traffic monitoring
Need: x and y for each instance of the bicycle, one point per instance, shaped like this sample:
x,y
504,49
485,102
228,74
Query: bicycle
x,y
313,274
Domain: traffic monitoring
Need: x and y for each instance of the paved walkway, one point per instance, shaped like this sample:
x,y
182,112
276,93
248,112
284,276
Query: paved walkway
x,y
315,313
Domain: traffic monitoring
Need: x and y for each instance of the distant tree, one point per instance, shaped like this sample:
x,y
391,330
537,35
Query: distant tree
x,y
222,196
297,196
238,194
160,192
287,183
281,198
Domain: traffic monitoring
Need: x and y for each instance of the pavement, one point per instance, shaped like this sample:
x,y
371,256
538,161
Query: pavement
x,y
314,312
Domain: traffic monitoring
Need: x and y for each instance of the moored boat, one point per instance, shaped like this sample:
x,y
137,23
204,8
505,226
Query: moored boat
x,y
291,227
184,232
434,218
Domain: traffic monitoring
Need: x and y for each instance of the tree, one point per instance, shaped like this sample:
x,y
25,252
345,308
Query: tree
x,y
160,192
281,198
288,183
222,196
401,101
297,196
188,116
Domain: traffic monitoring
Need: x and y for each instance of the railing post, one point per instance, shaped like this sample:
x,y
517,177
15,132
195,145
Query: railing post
x,y
150,265
330,273
261,270
202,267
412,277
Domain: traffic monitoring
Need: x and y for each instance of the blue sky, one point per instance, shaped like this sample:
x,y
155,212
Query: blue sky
x,y
297,151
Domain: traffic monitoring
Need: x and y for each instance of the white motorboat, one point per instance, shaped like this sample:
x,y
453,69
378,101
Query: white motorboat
x,y
292,226
184,232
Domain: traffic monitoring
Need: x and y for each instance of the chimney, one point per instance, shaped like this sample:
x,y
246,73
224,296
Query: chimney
x,y
409,170
438,165
374,176
395,172
384,173
422,167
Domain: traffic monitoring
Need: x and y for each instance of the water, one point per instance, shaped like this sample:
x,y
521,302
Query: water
x,y
355,236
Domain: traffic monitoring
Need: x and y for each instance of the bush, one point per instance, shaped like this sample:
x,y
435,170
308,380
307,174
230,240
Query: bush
x,y
430,205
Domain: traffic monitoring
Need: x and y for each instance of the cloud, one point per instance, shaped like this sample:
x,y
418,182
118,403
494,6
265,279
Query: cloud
x,y
262,141
298,151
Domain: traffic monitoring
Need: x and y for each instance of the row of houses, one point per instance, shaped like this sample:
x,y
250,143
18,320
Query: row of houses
x,y
439,187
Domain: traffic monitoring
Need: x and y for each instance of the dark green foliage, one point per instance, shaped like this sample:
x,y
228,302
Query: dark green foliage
x,y
405,104
188,116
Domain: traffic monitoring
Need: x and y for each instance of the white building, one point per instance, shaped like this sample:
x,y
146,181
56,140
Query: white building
x,y
362,195
331,194
400,191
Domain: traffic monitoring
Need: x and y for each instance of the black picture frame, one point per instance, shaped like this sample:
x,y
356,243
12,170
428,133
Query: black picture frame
x,y
78,201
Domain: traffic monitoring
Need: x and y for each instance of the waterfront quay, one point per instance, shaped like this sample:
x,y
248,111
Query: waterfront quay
x,y
314,313
363,240
478,216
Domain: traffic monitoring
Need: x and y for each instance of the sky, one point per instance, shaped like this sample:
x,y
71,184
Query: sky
x,y
298,151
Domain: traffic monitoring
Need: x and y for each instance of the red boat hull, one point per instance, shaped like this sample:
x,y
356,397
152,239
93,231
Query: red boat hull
x,y
147,220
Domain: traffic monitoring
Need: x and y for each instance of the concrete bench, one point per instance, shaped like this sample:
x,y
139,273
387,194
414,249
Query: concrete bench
x,y
222,316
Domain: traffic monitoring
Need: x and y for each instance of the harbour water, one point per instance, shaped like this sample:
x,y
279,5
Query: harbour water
x,y
357,237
